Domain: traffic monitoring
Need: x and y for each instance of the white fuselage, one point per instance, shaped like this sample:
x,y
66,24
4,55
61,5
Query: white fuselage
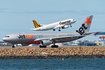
x,y
35,38
56,25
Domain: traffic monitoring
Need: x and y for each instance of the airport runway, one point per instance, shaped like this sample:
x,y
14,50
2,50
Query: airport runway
x,y
2,47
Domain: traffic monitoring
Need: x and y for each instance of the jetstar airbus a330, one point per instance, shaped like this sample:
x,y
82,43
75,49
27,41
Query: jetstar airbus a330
x,y
45,39
61,24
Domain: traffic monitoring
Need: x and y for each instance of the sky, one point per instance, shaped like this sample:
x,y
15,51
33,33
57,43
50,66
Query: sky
x,y
16,15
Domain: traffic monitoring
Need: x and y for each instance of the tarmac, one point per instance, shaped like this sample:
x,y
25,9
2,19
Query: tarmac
x,y
2,47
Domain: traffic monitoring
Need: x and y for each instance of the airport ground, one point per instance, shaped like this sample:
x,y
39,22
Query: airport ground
x,y
2,47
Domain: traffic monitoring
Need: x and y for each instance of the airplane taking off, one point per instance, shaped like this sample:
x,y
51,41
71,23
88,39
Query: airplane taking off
x,y
61,24
45,39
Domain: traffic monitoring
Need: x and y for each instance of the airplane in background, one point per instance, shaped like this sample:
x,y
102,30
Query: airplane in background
x,y
47,38
61,24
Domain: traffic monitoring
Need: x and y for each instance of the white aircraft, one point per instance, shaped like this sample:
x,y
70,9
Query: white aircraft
x,y
61,24
47,38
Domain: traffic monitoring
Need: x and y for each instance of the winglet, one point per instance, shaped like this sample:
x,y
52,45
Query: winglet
x,y
85,26
36,24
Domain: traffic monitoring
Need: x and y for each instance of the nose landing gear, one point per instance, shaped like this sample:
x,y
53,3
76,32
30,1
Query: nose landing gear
x,y
70,25
13,46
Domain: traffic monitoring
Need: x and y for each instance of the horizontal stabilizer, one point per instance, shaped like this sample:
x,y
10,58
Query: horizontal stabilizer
x,y
100,33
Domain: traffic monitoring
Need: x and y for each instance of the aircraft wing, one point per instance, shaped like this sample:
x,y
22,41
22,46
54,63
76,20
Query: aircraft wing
x,y
64,37
99,33
58,26
54,38
58,38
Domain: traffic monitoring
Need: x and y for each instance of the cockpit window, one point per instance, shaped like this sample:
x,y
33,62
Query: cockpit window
x,y
68,21
6,36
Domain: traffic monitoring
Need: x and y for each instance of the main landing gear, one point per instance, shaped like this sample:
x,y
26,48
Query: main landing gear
x,y
54,46
53,29
42,46
59,29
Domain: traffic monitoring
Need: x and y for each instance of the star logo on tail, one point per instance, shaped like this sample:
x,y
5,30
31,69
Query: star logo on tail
x,y
88,21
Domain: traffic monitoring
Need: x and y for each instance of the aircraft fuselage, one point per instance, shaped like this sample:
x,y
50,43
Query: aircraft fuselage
x,y
35,38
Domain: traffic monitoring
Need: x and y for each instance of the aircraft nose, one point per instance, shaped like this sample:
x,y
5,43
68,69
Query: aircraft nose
x,y
4,39
74,20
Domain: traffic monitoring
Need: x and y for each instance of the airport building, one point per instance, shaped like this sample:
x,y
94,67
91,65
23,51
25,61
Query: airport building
x,y
87,44
5,44
73,43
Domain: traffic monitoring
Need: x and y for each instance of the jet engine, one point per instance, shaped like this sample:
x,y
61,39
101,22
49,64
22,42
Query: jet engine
x,y
46,42
64,27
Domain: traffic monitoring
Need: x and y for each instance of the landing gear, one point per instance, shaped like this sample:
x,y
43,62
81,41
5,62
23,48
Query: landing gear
x,y
54,46
13,46
70,26
41,46
53,29
59,29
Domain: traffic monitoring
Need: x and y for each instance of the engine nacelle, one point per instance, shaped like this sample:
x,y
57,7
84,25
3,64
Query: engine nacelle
x,y
46,42
66,26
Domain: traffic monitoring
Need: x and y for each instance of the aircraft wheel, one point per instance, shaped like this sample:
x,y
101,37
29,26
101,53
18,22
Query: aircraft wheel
x,y
13,46
54,46
59,30
53,29
42,46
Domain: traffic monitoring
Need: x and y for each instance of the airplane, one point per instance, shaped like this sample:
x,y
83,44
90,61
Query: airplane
x,y
61,24
47,38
